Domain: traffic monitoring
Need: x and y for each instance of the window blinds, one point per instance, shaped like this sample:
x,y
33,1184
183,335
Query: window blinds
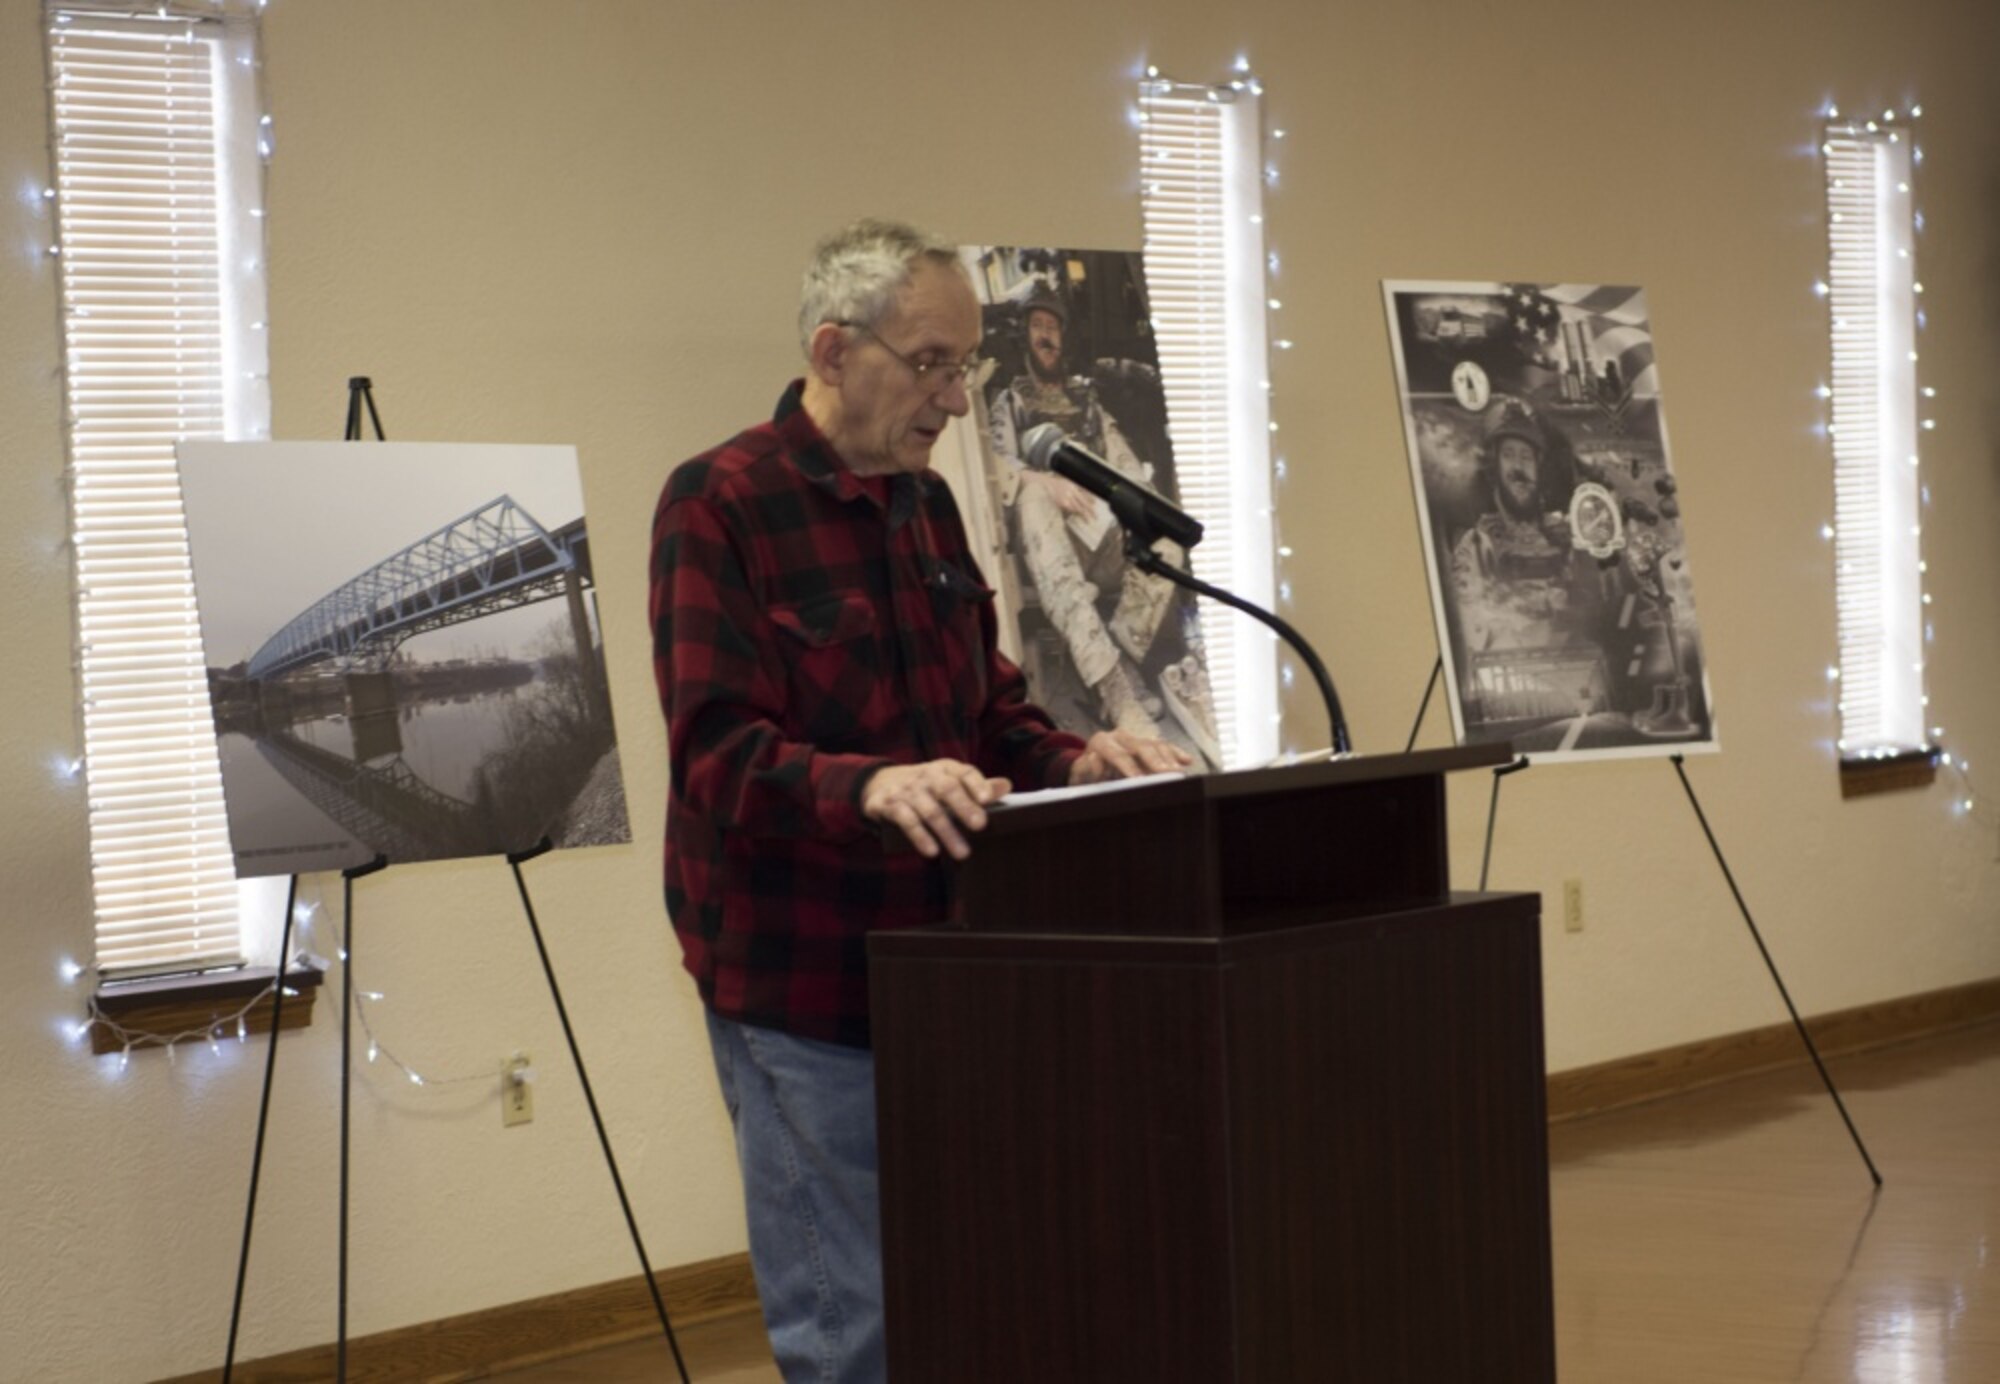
x,y
1201,190
1871,287
149,216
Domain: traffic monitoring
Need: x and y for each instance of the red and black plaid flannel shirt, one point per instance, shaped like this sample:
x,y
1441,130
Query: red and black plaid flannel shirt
x,y
806,633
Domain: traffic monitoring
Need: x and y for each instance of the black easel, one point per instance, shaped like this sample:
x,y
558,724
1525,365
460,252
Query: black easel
x,y
263,1121
514,863
1492,814
1437,670
360,392
347,878
1776,979
1493,803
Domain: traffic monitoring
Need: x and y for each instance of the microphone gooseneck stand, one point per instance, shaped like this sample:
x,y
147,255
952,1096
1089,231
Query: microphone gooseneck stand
x,y
1139,539
1147,518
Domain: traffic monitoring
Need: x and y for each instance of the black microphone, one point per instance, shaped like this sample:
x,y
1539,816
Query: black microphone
x,y
1147,517
1144,511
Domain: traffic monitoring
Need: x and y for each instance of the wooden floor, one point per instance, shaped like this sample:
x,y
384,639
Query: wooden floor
x,y
1734,1234
1730,1236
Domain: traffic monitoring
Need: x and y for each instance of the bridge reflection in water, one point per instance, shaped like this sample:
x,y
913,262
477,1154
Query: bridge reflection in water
x,y
385,806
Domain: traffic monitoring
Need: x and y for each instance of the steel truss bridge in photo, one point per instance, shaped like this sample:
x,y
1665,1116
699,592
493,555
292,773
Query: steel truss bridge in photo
x,y
495,558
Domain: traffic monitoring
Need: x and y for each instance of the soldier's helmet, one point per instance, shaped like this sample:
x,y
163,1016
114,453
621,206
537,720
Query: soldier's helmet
x,y
1508,416
1043,297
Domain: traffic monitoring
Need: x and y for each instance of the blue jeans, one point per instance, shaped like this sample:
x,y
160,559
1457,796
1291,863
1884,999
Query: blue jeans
x,y
804,1114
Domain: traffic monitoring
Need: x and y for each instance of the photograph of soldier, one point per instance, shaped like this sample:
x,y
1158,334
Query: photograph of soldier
x,y
1551,518
1069,344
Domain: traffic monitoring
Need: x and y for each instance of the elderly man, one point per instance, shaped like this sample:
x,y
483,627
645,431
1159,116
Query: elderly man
x,y
839,718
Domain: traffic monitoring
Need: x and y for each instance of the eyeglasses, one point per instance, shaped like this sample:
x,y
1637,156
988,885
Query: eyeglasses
x,y
934,375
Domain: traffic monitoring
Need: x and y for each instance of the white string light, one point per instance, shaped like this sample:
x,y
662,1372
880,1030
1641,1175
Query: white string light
x,y
1275,148
305,915
211,1031
239,1021
1966,799
378,1053
129,1038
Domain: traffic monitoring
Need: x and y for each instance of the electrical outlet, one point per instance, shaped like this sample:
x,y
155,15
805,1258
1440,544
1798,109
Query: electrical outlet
x,y
517,1090
1572,905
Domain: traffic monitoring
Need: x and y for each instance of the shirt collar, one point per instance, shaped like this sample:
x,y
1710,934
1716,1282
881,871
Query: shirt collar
x,y
819,463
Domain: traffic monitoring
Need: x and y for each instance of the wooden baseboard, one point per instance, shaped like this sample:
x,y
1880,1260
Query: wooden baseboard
x,y
516,1334
1650,1076
564,1324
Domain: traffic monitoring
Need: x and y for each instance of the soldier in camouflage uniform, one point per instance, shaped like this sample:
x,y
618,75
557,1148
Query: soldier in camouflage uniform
x,y
1513,569
1071,548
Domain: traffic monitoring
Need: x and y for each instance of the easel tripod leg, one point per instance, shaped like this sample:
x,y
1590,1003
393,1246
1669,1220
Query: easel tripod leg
x,y
590,1099
1437,669
263,1123
347,1081
1493,813
346,1100
361,390
1777,979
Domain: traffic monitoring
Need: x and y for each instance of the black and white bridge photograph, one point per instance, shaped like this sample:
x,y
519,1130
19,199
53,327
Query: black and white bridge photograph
x,y
403,651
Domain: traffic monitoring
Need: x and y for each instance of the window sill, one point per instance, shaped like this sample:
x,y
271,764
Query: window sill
x,y
1912,769
157,1012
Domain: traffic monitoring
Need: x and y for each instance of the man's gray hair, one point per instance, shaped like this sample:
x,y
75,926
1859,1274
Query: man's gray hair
x,y
857,272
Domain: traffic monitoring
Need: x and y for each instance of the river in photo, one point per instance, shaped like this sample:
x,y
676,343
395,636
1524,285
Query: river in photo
x,y
301,799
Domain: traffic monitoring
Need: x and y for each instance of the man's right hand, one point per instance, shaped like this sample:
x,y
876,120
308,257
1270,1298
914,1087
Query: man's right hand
x,y
934,803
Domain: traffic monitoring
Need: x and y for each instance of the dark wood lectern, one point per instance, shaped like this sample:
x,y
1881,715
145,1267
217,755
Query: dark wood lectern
x,y
1215,1080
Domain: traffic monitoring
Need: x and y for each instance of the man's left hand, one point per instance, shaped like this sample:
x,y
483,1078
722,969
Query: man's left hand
x,y
1116,754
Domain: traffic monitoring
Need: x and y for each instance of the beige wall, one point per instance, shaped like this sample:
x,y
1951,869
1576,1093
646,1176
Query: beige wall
x,y
571,222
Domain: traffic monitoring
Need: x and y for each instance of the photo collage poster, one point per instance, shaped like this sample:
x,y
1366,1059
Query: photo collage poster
x,y
1552,524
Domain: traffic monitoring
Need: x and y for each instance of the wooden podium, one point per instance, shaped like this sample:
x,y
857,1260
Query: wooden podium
x,y
1215,1080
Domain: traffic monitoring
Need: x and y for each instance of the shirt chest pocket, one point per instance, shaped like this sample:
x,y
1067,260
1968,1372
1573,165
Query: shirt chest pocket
x,y
959,602
832,652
